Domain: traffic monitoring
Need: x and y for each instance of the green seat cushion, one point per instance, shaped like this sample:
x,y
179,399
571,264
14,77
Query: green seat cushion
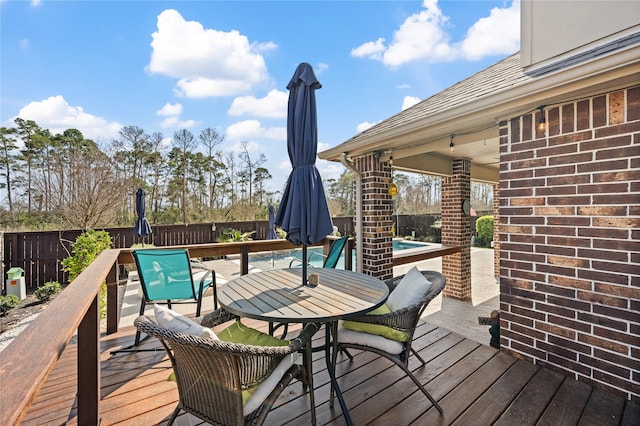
x,y
377,329
240,333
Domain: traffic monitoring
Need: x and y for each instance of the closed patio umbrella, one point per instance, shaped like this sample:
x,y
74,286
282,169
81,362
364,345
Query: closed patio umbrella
x,y
142,227
271,234
303,211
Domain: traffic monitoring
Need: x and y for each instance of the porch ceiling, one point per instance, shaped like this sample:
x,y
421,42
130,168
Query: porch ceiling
x,y
418,138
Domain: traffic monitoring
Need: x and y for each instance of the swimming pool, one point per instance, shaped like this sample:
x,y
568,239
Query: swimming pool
x,y
280,259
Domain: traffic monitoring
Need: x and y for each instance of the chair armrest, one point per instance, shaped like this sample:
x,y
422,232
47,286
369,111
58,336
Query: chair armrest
x,y
402,319
304,337
217,317
322,256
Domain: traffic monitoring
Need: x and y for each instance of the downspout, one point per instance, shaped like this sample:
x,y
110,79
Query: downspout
x,y
345,162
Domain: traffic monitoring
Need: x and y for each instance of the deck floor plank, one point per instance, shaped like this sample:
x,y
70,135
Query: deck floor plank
x,y
450,369
470,381
631,415
493,402
603,408
471,387
532,401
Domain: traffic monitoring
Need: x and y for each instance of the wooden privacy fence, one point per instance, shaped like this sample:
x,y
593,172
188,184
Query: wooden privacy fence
x,y
40,253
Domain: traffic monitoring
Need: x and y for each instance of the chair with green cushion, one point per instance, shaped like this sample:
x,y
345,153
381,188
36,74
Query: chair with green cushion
x,y
231,377
167,276
388,331
332,258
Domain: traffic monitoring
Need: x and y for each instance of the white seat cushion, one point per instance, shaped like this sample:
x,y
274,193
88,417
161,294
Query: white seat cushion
x,y
264,389
412,287
173,320
371,340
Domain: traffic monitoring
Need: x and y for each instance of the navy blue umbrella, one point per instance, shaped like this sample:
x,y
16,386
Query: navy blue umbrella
x,y
303,211
271,234
142,227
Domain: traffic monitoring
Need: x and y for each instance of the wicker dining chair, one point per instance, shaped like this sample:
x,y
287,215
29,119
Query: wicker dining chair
x,y
212,374
401,323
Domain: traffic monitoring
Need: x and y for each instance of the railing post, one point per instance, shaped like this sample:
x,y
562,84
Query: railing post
x,y
244,259
113,307
89,366
348,255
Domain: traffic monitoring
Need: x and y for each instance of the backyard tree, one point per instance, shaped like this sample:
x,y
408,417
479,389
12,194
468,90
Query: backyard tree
x,y
184,142
7,162
210,139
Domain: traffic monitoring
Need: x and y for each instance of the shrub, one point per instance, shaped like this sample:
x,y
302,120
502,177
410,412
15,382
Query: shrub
x,y
234,236
484,231
84,250
44,292
8,302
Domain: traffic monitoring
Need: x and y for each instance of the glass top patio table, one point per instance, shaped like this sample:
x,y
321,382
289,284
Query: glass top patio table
x,y
279,295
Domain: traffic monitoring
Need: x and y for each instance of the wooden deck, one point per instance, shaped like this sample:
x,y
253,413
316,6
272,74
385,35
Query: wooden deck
x,y
475,385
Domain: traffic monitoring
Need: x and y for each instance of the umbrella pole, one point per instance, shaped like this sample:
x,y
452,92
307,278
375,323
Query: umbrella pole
x,y
304,264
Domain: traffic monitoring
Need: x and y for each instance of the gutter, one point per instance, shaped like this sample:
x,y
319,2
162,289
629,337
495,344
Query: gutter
x,y
345,162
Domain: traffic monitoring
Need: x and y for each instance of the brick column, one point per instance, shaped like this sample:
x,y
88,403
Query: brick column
x,y
496,230
377,207
456,230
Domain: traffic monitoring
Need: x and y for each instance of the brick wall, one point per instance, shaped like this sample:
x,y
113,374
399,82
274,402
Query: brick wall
x,y
456,230
377,206
496,230
569,238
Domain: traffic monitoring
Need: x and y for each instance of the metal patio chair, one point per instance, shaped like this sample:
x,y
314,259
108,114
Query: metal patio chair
x,y
389,334
331,259
167,277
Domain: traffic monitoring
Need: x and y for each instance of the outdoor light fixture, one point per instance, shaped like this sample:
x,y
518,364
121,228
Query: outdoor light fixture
x,y
542,123
451,144
393,188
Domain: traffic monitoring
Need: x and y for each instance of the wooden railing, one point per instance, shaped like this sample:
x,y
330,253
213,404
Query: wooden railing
x,y
40,253
27,361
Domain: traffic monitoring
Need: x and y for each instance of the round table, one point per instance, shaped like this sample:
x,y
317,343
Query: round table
x,y
280,296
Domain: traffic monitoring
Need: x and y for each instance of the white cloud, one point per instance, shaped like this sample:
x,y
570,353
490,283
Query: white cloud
x,y
329,169
24,44
252,147
206,88
403,86
424,36
274,105
499,33
370,49
364,126
321,67
55,114
285,165
409,101
169,110
206,62
252,129
36,3
175,122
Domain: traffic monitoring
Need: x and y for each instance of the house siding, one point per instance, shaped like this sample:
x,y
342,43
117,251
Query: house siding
x,y
569,239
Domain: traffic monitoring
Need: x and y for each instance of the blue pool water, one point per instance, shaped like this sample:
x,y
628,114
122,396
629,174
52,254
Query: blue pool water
x,y
276,260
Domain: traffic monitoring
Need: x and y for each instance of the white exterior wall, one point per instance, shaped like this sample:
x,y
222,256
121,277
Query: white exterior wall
x,y
555,30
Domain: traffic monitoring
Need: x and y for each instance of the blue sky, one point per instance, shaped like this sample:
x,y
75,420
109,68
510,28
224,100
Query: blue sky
x,y
164,66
